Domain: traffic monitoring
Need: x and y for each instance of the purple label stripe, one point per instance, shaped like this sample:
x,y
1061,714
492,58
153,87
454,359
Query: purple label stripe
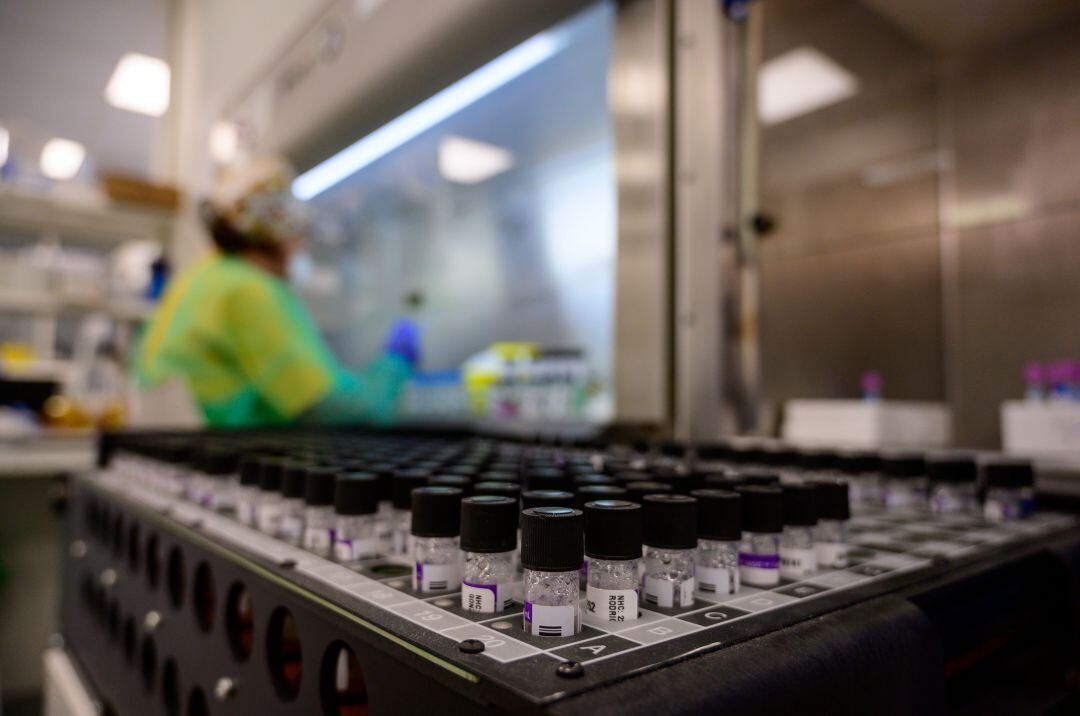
x,y
528,612
760,561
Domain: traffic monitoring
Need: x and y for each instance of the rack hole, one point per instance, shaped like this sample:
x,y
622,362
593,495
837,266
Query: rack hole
x,y
284,654
170,688
197,705
239,621
148,662
341,682
153,561
204,597
176,577
129,640
134,544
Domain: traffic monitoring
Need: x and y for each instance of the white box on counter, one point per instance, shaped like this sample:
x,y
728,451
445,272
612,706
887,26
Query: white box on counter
x,y
867,423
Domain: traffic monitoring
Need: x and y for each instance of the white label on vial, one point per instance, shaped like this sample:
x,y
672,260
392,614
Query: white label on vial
x,y
435,577
268,518
346,550
292,528
611,605
543,620
661,593
488,598
832,554
718,580
797,563
318,539
759,570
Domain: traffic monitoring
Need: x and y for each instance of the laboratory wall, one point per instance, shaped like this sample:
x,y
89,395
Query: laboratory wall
x,y
927,227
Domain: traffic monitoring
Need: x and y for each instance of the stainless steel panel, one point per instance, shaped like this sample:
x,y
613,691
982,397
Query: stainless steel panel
x,y
639,90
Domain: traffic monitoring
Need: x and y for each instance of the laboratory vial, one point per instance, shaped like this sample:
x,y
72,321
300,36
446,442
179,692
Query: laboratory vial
x,y
402,485
384,513
269,508
905,481
862,470
953,484
716,562
457,481
762,523
499,489
247,491
552,549
548,478
831,533
613,538
218,468
319,485
815,464
435,527
489,531
636,491
293,479
798,558
356,504
1010,493
669,538
589,493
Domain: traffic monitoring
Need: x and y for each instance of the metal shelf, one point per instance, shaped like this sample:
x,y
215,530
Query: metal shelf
x,y
106,224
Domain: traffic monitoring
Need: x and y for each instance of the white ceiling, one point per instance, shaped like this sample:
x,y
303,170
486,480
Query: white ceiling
x,y
55,59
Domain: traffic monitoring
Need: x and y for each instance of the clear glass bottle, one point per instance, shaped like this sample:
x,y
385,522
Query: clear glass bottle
x,y
488,539
905,483
269,508
247,491
1010,491
613,536
670,538
716,561
355,520
952,485
759,549
552,549
319,486
402,485
862,471
831,533
436,526
291,526
798,557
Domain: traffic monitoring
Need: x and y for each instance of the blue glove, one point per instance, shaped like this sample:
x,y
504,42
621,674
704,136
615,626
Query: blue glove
x,y
403,341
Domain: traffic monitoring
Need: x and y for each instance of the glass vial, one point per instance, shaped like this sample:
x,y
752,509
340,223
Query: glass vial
x,y
613,537
798,558
904,482
356,503
1009,490
552,548
831,533
291,528
489,525
952,485
269,508
436,526
716,562
863,473
404,482
762,522
247,491
670,538
319,486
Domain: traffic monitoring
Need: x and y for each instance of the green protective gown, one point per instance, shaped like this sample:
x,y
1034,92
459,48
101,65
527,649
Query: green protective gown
x,y
252,355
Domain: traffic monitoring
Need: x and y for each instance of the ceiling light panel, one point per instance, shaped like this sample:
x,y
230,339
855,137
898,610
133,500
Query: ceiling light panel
x,y
61,159
801,81
140,83
467,161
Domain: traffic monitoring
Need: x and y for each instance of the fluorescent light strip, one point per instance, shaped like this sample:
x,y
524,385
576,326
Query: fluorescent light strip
x,y
426,115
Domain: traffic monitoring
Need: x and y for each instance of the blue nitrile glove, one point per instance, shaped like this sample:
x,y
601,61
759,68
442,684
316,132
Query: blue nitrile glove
x,y
403,341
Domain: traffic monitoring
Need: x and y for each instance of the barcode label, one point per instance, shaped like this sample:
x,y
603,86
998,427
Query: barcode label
x,y
717,580
435,577
541,620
